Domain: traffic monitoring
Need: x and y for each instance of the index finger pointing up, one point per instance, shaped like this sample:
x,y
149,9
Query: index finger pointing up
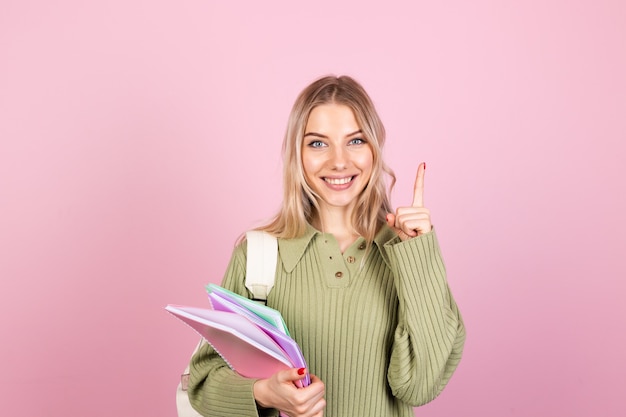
x,y
418,190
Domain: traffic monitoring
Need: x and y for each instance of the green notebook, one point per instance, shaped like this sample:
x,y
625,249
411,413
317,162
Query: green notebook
x,y
266,313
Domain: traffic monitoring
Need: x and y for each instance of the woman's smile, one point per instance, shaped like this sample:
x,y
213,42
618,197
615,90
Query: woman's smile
x,y
338,181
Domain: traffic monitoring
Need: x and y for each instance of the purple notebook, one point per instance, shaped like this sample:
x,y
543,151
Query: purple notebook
x,y
221,302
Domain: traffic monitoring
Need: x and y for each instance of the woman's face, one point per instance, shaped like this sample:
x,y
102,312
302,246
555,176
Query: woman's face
x,y
336,158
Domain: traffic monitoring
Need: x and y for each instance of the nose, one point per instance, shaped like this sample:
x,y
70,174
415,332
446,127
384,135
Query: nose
x,y
339,158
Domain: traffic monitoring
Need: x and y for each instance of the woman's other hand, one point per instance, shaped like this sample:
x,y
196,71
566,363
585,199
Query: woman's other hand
x,y
414,220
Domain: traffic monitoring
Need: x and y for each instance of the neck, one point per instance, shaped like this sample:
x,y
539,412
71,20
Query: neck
x,y
338,222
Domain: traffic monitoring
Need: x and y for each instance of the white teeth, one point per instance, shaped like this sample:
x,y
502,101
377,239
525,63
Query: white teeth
x,y
338,181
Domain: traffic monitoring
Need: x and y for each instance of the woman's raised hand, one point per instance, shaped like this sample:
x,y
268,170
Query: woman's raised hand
x,y
414,220
280,391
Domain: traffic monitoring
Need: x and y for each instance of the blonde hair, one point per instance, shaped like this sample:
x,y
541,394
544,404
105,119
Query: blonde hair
x,y
300,203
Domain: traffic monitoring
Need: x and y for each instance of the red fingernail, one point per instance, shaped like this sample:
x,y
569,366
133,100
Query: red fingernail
x,y
301,371
424,166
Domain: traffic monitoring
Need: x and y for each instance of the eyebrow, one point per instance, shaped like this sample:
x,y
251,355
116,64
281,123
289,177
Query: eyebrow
x,y
319,135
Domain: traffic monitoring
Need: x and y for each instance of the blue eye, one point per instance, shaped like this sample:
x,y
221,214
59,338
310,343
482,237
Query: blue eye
x,y
316,144
357,141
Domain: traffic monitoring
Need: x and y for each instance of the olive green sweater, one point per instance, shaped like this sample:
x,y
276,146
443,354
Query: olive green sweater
x,y
379,327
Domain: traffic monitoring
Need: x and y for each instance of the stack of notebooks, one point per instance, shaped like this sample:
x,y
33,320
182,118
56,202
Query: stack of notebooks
x,y
252,338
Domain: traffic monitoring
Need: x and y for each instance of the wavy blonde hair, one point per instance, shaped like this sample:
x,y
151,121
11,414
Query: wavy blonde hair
x,y
300,203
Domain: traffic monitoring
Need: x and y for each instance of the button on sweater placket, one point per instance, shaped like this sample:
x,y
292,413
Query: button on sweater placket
x,y
338,275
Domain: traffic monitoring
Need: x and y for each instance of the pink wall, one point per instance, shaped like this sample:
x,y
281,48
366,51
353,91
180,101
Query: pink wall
x,y
138,138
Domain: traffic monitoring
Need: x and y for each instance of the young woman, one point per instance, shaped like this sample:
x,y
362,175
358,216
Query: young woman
x,y
361,287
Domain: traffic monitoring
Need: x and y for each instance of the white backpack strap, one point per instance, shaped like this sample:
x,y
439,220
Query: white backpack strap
x,y
261,263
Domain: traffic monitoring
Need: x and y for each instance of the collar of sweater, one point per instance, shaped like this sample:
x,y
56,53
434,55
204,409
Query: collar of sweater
x,y
291,250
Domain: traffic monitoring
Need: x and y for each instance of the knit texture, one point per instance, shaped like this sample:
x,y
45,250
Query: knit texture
x,y
379,327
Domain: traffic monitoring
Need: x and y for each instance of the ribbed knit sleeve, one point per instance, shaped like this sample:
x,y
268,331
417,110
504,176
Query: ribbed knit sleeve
x,y
430,334
214,388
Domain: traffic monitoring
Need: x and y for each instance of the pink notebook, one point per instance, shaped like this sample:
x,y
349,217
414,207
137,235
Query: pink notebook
x,y
244,346
221,302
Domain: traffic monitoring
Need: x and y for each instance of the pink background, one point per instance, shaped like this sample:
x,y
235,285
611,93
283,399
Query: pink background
x,y
139,138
